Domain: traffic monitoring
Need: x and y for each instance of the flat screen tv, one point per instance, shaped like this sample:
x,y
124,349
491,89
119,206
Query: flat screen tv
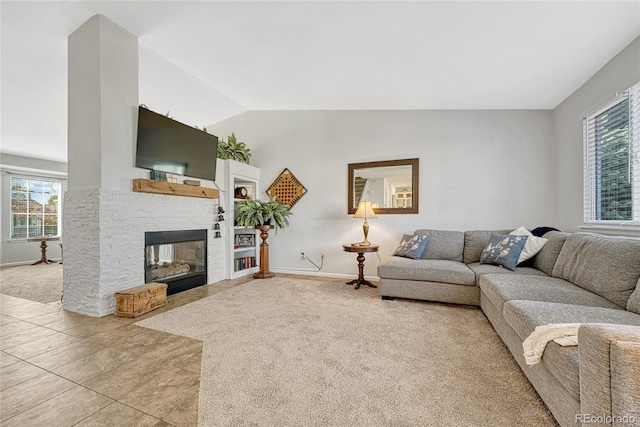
x,y
173,147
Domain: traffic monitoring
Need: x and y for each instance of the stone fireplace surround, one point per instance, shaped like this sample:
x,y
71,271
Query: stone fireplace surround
x,y
109,232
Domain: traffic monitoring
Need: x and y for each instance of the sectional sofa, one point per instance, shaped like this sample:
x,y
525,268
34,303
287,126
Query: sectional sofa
x,y
580,278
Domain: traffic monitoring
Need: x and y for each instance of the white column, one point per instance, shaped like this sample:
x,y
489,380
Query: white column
x,y
103,102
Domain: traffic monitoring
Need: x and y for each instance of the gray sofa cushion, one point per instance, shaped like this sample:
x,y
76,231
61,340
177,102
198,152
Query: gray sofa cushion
x,y
500,288
546,258
482,269
443,244
475,241
634,300
524,316
607,266
428,270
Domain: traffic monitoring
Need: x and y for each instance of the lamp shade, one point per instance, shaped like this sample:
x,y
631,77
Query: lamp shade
x,y
365,210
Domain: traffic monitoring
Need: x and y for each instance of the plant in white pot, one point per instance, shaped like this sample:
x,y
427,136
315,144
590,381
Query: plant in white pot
x,y
234,150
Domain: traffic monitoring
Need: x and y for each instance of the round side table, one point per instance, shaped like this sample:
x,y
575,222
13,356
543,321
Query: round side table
x,y
360,250
43,248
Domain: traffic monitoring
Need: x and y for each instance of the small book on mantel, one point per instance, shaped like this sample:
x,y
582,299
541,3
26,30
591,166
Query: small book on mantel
x,y
193,182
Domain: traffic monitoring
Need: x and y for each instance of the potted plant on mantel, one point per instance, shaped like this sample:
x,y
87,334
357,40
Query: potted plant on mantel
x,y
263,215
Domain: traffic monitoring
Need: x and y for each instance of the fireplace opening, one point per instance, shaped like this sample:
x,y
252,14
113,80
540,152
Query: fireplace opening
x,y
177,258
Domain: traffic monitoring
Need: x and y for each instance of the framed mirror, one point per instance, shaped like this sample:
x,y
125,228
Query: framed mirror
x,y
391,184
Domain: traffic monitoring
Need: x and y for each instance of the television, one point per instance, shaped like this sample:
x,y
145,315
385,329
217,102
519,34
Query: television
x,y
169,146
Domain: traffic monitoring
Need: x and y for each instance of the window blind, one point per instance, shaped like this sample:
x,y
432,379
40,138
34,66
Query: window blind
x,y
612,160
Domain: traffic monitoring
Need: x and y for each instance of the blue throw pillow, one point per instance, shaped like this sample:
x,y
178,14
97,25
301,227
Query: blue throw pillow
x,y
401,250
503,250
412,246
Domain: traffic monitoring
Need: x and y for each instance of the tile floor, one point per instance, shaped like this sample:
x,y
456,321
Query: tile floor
x,y
59,368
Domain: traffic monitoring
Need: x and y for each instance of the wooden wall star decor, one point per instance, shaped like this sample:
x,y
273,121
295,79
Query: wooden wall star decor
x,y
287,189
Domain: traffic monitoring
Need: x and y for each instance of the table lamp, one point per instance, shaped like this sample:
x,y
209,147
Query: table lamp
x,y
365,210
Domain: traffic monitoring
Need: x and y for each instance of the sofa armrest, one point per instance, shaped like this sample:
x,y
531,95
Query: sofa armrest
x,y
609,374
625,381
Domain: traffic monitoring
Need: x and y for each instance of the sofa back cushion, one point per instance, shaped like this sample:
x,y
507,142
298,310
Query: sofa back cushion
x,y
545,260
475,241
443,244
634,300
606,266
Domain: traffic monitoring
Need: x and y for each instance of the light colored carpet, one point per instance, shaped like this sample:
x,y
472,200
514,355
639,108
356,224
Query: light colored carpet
x,y
41,283
287,352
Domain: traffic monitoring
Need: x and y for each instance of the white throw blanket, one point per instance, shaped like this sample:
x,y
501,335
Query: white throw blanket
x,y
565,334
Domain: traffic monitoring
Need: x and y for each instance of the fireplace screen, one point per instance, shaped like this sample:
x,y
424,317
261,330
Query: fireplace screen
x,y
178,258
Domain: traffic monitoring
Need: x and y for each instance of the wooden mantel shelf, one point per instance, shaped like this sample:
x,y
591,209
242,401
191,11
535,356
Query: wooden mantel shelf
x,y
174,189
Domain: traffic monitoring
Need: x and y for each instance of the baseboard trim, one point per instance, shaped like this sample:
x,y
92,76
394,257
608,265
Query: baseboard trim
x,y
319,273
16,264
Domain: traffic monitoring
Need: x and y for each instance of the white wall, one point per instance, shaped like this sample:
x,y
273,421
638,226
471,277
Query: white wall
x,y
617,76
478,169
164,87
20,251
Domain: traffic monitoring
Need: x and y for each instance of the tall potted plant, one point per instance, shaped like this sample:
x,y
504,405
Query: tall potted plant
x,y
263,216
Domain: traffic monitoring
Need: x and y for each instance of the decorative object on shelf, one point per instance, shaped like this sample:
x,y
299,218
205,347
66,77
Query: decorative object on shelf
x,y
245,240
365,210
255,213
158,176
193,182
241,193
233,150
286,188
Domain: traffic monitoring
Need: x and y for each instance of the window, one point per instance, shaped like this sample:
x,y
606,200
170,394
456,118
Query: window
x,y
612,161
35,207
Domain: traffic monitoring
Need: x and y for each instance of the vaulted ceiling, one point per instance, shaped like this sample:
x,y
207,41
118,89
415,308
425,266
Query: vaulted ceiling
x,y
340,55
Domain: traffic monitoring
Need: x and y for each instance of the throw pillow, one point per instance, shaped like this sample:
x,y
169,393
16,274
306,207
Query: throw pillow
x,y
532,247
503,250
412,246
541,231
401,250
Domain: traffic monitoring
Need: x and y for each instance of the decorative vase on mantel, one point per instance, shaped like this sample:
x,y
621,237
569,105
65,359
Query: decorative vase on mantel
x,y
264,272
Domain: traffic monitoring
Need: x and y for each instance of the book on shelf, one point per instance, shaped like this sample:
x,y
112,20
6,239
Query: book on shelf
x,y
244,263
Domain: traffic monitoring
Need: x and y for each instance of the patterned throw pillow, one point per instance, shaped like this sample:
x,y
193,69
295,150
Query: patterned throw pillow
x,y
401,250
503,250
412,246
